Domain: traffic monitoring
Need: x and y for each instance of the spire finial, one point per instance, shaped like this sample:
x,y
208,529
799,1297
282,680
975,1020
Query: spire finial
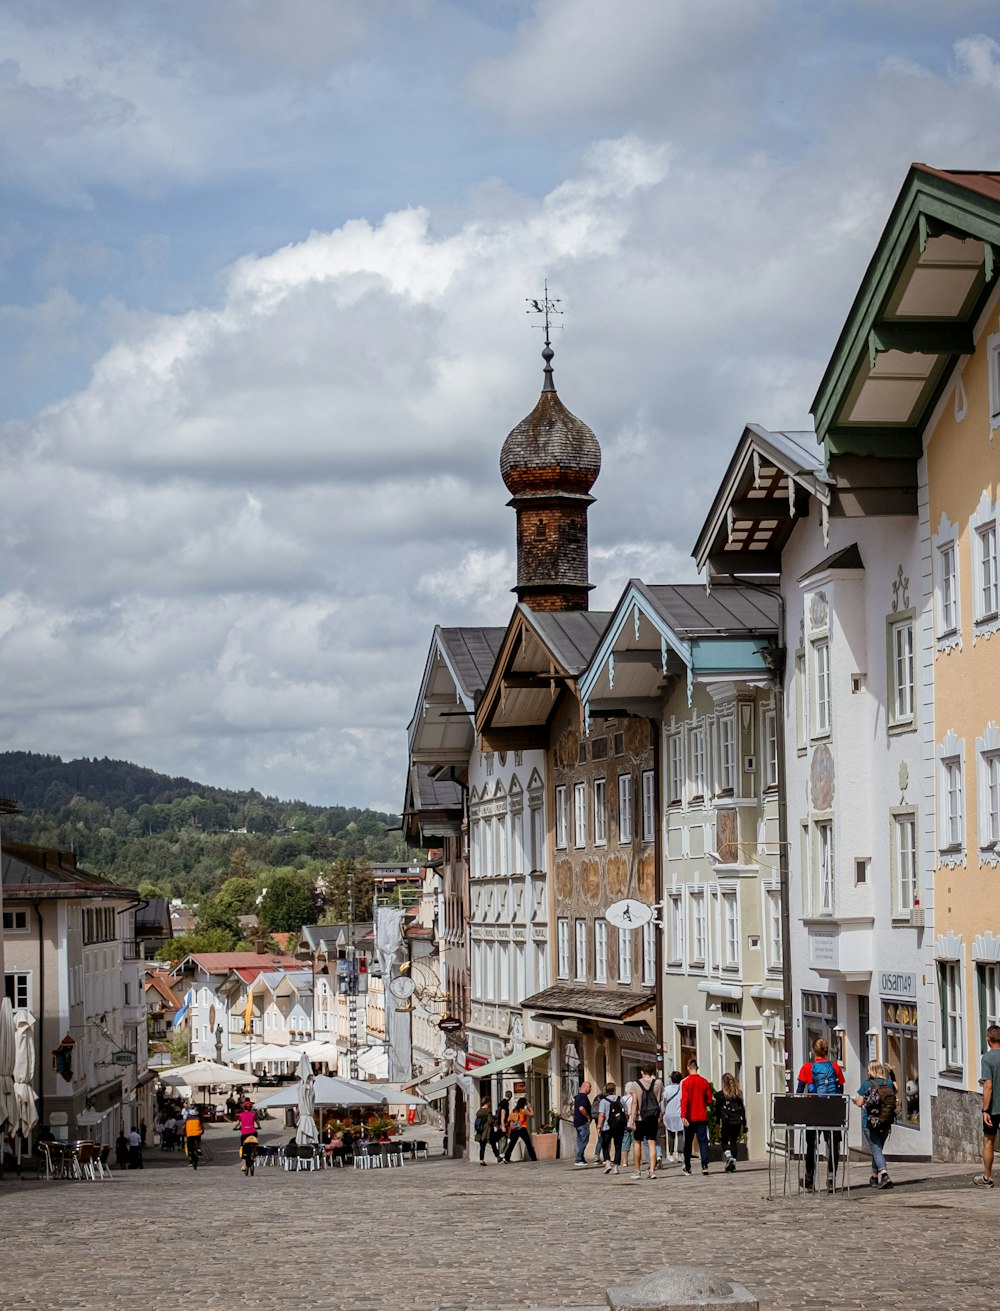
x,y
546,307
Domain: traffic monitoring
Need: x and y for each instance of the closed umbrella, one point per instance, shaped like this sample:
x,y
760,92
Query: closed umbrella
x,y
306,1132
24,1074
8,1041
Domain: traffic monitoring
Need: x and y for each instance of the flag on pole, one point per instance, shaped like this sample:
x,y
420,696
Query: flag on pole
x,y
248,1013
188,1001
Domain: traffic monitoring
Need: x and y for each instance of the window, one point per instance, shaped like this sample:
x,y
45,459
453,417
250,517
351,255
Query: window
x,y
649,953
517,842
824,866
950,987
986,552
15,921
624,807
821,687
675,770
727,754
676,906
801,702
541,965
503,965
819,1020
988,797
580,814
988,989
600,951
773,904
993,360
901,671
904,857
581,950
562,839
699,768
537,825
562,940
624,955
899,1025
698,928
17,987
770,749
730,930
952,811
648,805
600,812
947,560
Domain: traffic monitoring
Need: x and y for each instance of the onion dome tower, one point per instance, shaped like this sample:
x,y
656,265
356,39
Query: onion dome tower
x,y
549,463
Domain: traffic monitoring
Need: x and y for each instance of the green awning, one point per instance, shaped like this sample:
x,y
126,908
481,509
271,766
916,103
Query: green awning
x,y
523,1057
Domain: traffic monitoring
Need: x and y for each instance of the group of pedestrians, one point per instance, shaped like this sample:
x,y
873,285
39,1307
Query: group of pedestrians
x,y
629,1122
502,1128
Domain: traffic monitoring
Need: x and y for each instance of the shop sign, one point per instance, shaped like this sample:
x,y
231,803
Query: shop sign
x,y
892,983
824,951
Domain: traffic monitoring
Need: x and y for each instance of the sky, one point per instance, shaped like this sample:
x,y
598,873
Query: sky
x,y
263,278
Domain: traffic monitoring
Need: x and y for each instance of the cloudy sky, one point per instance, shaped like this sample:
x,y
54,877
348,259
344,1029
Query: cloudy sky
x,y
262,331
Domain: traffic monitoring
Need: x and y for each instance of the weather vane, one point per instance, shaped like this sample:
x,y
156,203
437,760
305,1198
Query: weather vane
x,y
544,306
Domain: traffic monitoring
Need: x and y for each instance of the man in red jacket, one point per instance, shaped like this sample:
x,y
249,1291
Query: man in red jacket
x,y
696,1097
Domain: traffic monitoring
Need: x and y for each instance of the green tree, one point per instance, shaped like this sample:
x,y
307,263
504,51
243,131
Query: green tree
x,y
287,903
335,882
198,940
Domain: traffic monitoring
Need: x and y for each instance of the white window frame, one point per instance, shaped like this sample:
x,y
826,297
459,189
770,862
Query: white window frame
x,y
947,586
952,1019
14,927
675,769
993,367
579,814
801,702
699,928
624,956
905,870
600,951
826,892
649,954
648,805
562,947
503,971
678,936
727,753
951,808
581,951
624,808
600,812
772,906
730,914
562,819
822,708
699,763
21,989
769,735
902,670
984,542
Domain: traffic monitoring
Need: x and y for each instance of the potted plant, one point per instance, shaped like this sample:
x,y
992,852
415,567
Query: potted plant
x,y
545,1139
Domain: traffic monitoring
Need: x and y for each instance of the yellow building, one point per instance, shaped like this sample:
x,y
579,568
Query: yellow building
x,y
915,381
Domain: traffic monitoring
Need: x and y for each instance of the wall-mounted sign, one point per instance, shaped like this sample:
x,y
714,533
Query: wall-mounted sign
x,y
893,983
824,948
629,914
123,1058
449,1024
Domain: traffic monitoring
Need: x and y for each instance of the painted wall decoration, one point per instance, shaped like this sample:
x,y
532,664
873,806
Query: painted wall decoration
x,y
821,778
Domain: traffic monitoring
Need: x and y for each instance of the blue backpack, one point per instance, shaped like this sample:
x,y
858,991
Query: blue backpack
x,y
824,1081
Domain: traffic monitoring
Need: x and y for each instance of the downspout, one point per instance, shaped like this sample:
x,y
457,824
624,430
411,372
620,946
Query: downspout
x,y
658,889
784,882
41,1013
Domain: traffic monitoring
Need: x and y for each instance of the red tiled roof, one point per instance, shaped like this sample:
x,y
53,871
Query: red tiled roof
x,y
986,184
221,962
158,982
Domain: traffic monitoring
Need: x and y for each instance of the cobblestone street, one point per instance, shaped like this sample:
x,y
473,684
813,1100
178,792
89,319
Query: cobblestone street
x,y
448,1234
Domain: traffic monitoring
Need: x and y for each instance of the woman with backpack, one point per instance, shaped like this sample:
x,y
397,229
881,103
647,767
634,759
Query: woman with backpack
x,y
673,1125
877,1099
612,1120
732,1115
517,1130
484,1132
821,1077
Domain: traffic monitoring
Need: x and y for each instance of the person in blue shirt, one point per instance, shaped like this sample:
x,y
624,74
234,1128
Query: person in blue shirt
x,y
874,1136
583,1115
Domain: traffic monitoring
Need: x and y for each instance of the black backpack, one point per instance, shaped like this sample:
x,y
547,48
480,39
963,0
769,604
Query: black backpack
x,y
617,1118
732,1110
649,1103
880,1105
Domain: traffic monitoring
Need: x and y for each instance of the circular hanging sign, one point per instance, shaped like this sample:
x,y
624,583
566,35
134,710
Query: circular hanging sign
x,y
629,914
402,986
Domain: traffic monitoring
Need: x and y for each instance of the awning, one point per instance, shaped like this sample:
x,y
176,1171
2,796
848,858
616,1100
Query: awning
x,y
523,1057
714,988
432,1091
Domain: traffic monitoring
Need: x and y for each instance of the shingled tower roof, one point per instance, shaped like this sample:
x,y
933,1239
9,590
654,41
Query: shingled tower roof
x,y
549,463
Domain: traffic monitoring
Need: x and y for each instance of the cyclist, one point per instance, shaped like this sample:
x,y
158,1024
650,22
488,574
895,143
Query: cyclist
x,y
247,1121
192,1134
248,1151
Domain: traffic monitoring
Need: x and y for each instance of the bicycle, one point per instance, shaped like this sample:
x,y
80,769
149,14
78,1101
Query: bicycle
x,y
249,1153
193,1149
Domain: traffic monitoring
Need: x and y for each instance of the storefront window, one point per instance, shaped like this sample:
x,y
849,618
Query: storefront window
x,y
899,1025
687,1046
819,1020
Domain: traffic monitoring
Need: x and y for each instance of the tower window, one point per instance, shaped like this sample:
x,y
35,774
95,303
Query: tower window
x,y
539,529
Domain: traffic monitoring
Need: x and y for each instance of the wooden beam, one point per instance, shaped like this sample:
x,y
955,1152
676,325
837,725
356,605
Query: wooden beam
x,y
532,681
530,737
921,339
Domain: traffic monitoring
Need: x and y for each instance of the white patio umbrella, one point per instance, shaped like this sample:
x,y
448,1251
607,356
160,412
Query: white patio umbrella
x,y
306,1132
8,1041
206,1074
318,1050
265,1053
327,1091
24,1073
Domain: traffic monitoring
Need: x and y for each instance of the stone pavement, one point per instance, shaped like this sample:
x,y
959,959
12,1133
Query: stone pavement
x,y
448,1234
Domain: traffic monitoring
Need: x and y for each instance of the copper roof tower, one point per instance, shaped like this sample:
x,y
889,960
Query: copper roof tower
x,y
549,463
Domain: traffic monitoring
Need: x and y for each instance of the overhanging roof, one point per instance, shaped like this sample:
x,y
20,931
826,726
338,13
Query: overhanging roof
x,y
458,664
581,1001
524,1057
913,317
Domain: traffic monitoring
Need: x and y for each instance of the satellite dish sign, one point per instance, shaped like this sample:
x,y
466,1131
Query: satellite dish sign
x,y
628,914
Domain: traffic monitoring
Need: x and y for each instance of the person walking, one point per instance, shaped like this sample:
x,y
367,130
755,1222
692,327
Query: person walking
x,y
517,1130
877,1099
673,1125
644,1117
696,1097
583,1118
484,1131
501,1124
732,1118
821,1077
612,1121
989,1075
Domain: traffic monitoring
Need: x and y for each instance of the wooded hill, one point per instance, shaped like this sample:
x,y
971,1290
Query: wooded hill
x,y
181,837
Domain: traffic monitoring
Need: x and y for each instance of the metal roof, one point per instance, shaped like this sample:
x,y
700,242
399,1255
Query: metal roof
x,y
692,612
571,635
471,652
